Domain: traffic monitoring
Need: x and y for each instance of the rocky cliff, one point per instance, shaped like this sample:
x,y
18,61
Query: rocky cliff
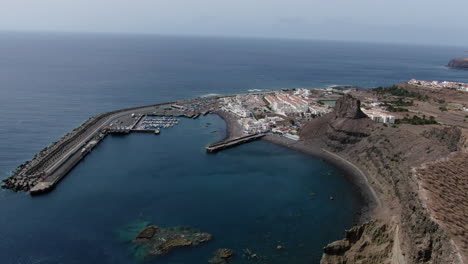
x,y
458,63
403,230
346,125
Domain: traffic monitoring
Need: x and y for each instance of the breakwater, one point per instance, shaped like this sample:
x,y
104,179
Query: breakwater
x,y
49,166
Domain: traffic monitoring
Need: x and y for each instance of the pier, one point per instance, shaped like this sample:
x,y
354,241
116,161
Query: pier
x,y
233,142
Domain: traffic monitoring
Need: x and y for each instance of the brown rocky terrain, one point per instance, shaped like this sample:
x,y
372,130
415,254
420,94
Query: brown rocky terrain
x,y
447,199
458,63
356,247
440,96
403,229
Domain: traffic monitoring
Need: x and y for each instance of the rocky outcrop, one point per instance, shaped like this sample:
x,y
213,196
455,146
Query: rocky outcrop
x,y
221,256
368,243
458,63
157,241
348,107
347,124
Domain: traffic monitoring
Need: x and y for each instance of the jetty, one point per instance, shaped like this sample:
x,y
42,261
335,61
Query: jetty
x,y
233,142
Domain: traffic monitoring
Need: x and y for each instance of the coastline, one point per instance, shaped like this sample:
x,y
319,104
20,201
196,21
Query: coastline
x,y
369,199
403,216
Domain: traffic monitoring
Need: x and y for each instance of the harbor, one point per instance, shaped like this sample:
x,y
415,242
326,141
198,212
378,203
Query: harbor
x,y
42,173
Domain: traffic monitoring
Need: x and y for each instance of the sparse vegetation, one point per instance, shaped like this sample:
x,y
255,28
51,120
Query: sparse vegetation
x,y
416,120
396,109
443,108
400,102
398,91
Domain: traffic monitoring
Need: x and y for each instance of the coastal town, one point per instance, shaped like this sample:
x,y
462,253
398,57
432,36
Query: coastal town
x,y
257,113
440,85
342,124
284,112
278,112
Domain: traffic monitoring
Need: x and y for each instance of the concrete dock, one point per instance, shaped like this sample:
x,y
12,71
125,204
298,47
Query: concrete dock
x,y
233,142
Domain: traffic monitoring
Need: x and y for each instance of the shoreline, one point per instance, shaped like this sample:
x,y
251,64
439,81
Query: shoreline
x,y
369,199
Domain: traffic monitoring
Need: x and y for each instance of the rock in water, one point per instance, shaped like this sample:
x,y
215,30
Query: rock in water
x,y
221,256
160,241
458,63
147,233
173,243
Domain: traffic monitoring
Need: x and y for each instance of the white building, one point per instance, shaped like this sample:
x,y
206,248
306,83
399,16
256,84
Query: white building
x,y
379,116
291,136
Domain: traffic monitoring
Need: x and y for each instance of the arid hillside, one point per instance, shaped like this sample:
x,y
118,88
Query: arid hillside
x,y
406,228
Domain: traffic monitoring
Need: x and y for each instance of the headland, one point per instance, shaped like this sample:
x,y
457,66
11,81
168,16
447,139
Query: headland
x,y
399,144
458,63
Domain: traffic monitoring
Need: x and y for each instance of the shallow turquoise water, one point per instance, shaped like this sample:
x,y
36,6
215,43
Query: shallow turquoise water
x,y
254,196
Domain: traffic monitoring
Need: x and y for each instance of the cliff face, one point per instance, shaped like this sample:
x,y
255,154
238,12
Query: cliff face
x,y
403,230
458,63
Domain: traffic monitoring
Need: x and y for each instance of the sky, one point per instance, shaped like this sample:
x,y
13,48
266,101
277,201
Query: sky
x,y
439,22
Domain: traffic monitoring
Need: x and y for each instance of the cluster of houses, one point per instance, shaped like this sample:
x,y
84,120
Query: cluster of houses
x,y
299,102
235,105
252,126
284,112
440,85
266,112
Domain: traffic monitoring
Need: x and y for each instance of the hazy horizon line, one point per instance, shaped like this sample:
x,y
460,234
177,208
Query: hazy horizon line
x,y
59,32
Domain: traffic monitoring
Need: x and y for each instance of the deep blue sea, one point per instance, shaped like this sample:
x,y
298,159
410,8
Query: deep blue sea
x,y
254,196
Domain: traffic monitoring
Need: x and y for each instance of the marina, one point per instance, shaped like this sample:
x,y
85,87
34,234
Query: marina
x,y
155,123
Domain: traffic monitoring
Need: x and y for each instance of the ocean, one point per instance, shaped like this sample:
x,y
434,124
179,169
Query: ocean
x,y
255,196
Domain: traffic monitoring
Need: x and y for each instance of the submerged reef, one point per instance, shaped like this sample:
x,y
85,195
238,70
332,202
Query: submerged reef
x,y
159,241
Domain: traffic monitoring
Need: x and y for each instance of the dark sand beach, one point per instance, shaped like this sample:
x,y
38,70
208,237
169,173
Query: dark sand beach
x,y
370,201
